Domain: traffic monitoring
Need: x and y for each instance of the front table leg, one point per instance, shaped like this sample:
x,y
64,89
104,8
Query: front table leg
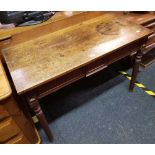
x,y
137,62
34,104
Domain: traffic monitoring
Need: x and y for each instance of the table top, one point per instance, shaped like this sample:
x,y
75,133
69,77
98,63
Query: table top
x,y
5,89
45,58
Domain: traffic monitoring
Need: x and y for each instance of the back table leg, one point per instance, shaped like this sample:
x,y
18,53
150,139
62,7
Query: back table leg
x,y
137,62
34,104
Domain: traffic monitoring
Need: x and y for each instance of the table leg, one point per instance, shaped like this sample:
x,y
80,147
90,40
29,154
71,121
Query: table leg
x,y
34,104
137,62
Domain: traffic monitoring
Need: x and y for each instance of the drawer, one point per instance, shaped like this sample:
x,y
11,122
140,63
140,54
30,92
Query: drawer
x,y
148,59
151,25
150,43
19,139
95,67
153,35
3,113
8,129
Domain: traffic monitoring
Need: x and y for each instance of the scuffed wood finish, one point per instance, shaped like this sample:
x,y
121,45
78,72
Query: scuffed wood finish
x,y
38,61
5,89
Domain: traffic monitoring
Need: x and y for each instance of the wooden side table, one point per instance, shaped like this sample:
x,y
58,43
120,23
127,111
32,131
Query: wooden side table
x,y
15,127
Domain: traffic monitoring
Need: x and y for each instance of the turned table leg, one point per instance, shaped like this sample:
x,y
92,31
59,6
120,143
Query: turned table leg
x,y
34,104
137,62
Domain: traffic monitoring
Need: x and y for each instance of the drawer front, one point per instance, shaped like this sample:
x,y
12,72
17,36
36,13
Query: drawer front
x,y
151,42
151,25
19,139
3,113
8,129
151,39
153,28
153,35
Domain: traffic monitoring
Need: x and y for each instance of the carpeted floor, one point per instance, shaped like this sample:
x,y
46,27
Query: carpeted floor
x,y
100,109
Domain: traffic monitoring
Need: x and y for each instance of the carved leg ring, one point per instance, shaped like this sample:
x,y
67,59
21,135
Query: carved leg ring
x,y
137,62
34,104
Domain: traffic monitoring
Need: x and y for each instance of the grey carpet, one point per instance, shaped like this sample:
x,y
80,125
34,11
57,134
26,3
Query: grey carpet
x,y
100,109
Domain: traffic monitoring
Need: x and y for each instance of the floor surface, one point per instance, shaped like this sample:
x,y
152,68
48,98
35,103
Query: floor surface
x,y
100,109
